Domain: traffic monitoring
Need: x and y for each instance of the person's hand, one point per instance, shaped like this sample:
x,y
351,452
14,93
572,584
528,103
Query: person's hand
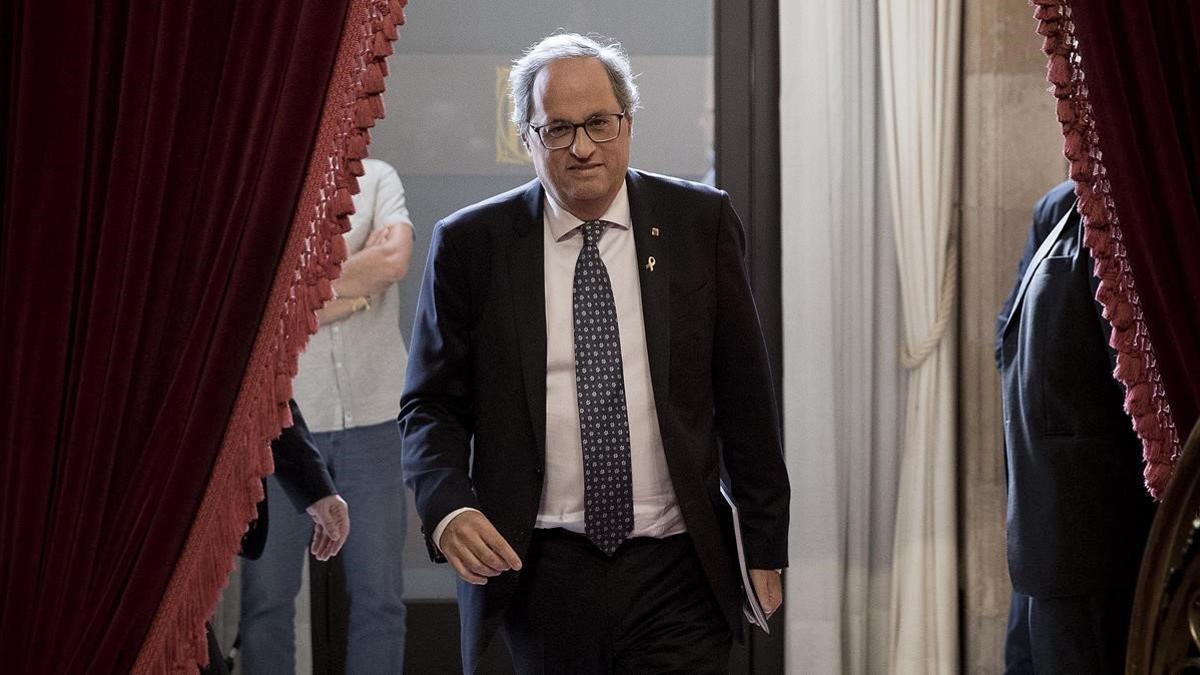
x,y
768,586
476,549
381,262
323,547
331,526
380,236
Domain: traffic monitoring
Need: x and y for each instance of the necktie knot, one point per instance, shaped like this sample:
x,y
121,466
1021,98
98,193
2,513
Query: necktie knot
x,y
592,231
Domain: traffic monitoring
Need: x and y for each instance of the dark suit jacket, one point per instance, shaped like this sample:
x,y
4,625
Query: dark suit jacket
x,y
1077,512
301,472
477,379
305,479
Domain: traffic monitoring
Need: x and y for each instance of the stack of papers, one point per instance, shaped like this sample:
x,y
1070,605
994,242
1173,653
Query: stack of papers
x,y
751,607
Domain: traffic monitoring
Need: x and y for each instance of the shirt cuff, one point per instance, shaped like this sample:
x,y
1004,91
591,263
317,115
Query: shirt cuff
x,y
437,532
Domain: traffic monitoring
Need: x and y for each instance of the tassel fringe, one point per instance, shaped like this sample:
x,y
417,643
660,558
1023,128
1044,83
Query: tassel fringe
x,y
1137,369
312,259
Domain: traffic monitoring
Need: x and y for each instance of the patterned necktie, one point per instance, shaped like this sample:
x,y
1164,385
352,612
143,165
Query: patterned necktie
x,y
600,385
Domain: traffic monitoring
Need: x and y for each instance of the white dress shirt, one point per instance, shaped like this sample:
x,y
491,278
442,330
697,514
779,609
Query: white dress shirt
x,y
655,508
352,372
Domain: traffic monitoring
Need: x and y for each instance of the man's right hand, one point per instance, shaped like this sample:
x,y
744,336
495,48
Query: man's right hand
x,y
476,549
331,526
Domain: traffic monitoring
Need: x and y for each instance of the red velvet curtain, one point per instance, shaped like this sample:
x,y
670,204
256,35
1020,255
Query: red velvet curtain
x,y
175,176
1127,76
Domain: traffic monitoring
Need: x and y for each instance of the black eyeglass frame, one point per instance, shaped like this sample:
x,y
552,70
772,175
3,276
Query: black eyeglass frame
x,y
537,129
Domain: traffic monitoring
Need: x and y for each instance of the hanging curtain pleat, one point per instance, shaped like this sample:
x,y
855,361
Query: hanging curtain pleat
x,y
175,180
919,59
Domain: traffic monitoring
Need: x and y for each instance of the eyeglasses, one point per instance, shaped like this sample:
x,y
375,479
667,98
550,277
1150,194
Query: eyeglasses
x,y
559,134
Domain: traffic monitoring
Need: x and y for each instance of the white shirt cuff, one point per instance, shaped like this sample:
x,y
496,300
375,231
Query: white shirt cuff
x,y
437,531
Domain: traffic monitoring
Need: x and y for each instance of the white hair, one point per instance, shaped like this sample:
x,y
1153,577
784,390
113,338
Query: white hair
x,y
569,46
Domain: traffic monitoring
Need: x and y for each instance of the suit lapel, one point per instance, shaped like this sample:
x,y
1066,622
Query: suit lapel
x,y
1030,269
652,240
526,271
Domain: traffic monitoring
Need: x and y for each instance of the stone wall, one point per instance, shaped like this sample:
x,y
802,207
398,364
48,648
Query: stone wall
x,y
1012,154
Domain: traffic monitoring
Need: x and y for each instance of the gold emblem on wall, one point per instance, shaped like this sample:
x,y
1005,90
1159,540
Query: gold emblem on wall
x,y
509,149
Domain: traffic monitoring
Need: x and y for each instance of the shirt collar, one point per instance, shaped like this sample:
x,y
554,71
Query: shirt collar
x,y
563,223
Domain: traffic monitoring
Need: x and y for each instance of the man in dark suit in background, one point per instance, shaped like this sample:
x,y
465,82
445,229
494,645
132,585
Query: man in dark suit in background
x,y
1078,515
586,358
305,479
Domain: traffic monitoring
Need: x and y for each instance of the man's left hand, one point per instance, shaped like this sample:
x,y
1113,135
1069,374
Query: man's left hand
x,y
768,586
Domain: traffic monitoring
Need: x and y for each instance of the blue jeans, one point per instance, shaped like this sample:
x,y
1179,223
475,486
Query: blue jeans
x,y
365,465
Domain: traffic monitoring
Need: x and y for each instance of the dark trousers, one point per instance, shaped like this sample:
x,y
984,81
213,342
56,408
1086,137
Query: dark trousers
x,y
647,609
1073,634
216,658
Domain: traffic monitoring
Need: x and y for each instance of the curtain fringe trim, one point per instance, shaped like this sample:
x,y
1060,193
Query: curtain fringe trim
x,y
1137,369
311,261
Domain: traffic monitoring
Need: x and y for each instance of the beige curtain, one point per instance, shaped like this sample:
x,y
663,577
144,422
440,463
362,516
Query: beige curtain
x,y
920,42
842,380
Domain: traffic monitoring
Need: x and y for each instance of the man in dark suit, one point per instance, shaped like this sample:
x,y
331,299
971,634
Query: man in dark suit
x,y
305,479
1078,515
586,359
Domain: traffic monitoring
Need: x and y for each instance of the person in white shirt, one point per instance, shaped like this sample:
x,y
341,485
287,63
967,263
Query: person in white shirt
x,y
348,387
